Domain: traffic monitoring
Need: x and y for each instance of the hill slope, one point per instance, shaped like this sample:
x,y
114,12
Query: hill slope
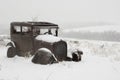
x,y
104,32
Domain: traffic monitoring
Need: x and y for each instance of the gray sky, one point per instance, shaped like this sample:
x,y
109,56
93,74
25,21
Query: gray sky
x,y
60,11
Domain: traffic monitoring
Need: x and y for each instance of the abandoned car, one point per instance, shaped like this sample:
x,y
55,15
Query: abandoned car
x,y
27,39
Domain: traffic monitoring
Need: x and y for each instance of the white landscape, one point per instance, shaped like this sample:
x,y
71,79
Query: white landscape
x,y
100,61
92,26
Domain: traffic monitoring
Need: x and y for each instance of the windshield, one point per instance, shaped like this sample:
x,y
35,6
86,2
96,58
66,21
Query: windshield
x,y
44,31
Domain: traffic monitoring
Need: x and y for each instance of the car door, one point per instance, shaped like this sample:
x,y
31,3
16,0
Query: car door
x,y
16,37
26,40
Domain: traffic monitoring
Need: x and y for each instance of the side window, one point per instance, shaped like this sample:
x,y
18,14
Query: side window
x,y
43,31
16,29
53,31
36,31
26,29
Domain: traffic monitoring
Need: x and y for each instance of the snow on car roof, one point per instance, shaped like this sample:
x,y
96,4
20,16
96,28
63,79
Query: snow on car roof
x,y
48,38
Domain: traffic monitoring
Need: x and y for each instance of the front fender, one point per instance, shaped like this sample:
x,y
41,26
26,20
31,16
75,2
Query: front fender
x,y
11,43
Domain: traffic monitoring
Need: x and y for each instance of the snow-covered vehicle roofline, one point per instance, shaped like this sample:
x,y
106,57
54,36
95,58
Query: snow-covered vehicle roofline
x,y
36,24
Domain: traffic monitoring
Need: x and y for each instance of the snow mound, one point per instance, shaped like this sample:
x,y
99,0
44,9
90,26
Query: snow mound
x,y
48,38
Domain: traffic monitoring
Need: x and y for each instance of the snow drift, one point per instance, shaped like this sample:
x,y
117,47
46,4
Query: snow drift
x,y
100,61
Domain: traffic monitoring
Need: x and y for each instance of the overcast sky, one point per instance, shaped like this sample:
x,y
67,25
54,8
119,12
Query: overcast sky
x,y
60,11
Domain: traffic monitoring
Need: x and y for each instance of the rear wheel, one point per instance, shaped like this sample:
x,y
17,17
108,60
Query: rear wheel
x,y
11,52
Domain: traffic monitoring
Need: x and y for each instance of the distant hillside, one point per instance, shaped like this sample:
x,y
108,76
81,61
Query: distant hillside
x,y
106,33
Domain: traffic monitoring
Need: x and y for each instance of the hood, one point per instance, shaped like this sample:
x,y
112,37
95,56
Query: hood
x,y
48,38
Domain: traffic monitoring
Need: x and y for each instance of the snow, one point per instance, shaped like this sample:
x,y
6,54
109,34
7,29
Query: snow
x,y
4,39
48,38
100,61
45,49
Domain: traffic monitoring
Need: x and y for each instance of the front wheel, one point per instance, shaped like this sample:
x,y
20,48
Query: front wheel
x,y
11,52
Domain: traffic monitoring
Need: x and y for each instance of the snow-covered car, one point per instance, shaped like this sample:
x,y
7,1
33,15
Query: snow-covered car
x,y
28,37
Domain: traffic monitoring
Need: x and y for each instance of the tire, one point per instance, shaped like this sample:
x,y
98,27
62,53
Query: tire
x,y
76,57
11,52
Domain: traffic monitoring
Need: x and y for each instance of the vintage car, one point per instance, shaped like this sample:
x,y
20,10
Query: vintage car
x,y
28,37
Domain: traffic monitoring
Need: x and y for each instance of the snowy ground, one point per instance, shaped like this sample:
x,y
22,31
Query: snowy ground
x,y
100,61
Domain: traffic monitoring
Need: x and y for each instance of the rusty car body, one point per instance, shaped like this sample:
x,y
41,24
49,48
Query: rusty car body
x,y
24,43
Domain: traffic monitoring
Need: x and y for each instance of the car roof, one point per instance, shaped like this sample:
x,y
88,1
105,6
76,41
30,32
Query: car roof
x,y
36,24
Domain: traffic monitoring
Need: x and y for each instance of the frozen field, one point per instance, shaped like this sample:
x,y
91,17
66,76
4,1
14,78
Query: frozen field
x,y
100,61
